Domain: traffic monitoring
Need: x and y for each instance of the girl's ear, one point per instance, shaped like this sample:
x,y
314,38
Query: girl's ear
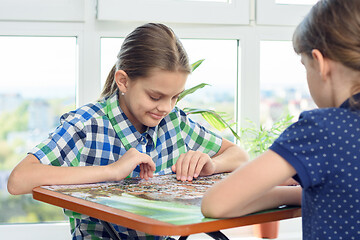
x,y
121,79
322,63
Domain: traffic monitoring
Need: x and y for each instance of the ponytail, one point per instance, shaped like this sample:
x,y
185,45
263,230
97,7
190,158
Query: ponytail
x,y
110,86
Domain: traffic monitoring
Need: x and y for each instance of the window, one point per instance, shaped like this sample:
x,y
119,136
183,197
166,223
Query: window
x,y
283,82
219,69
36,87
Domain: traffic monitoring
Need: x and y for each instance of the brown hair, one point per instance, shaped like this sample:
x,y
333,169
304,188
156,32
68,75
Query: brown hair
x,y
147,47
332,27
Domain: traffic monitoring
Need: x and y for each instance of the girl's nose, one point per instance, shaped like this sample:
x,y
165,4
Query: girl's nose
x,y
166,106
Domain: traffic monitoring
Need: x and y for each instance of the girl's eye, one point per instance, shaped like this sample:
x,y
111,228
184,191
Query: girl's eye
x,y
154,98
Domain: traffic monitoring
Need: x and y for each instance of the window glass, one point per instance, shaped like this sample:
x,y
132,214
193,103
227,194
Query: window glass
x,y
219,69
283,82
37,85
110,48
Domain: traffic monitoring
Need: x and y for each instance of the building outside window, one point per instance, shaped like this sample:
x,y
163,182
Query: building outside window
x,y
37,85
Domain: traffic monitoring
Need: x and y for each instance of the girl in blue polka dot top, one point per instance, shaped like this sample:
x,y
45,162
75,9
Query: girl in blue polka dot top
x,y
321,151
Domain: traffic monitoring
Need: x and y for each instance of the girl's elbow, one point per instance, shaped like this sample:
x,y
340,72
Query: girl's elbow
x,y
213,210
12,188
14,184
209,212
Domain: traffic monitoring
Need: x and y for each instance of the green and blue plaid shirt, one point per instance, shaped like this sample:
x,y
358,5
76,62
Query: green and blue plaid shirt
x,y
100,133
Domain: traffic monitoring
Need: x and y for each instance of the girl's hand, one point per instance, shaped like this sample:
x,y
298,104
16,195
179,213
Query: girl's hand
x,y
128,162
192,164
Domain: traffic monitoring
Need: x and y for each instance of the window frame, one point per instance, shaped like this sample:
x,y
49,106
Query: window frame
x,y
234,12
42,10
268,12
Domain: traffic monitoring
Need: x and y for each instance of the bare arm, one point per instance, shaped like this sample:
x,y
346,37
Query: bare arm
x,y
252,187
30,173
229,157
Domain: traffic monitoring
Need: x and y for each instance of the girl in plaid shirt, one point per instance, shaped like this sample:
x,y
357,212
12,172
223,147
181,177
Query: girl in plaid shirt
x,y
134,129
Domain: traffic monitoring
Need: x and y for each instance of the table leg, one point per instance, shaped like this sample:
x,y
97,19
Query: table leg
x,y
183,238
215,235
111,230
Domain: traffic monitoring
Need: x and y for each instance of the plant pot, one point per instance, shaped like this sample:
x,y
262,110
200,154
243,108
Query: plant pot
x,y
269,230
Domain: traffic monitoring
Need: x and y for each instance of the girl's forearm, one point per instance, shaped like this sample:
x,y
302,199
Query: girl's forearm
x,y
31,173
230,159
252,187
284,195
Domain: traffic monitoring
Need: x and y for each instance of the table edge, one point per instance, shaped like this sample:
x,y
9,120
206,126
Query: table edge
x,y
153,226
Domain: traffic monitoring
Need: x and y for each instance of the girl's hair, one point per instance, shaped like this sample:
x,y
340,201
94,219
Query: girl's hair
x,y
147,47
332,27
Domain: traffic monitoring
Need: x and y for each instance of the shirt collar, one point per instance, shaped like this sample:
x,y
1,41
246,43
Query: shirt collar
x,y
347,104
125,130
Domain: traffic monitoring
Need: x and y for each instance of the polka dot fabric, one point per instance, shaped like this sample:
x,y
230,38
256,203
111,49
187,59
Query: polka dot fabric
x,y
324,148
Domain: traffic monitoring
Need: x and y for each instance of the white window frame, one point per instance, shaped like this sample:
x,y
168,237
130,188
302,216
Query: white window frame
x,y
175,11
42,10
268,12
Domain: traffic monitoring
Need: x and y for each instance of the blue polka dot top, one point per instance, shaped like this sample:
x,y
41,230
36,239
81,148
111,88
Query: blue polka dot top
x,y
324,148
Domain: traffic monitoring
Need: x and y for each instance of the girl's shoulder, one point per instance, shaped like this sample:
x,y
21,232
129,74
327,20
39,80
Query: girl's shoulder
x,y
329,114
85,112
327,118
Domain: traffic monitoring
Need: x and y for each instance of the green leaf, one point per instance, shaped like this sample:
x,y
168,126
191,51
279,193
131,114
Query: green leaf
x,y
191,90
257,140
214,118
196,64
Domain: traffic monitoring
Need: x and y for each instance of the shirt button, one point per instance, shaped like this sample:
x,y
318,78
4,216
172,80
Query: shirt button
x,y
143,141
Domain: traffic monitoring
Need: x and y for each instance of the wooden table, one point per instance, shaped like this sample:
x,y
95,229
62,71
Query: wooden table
x,y
124,204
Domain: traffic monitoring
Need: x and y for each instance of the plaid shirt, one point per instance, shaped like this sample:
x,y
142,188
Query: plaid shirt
x,y
100,133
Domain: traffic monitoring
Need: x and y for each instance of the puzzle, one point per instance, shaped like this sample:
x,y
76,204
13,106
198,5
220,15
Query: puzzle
x,y
162,197
159,188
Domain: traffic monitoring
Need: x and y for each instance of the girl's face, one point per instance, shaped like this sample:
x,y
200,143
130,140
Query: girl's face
x,y
148,100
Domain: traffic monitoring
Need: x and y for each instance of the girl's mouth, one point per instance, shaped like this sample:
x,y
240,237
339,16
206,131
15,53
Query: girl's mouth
x,y
156,116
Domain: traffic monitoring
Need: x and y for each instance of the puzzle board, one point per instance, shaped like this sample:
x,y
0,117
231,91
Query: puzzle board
x,y
162,197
